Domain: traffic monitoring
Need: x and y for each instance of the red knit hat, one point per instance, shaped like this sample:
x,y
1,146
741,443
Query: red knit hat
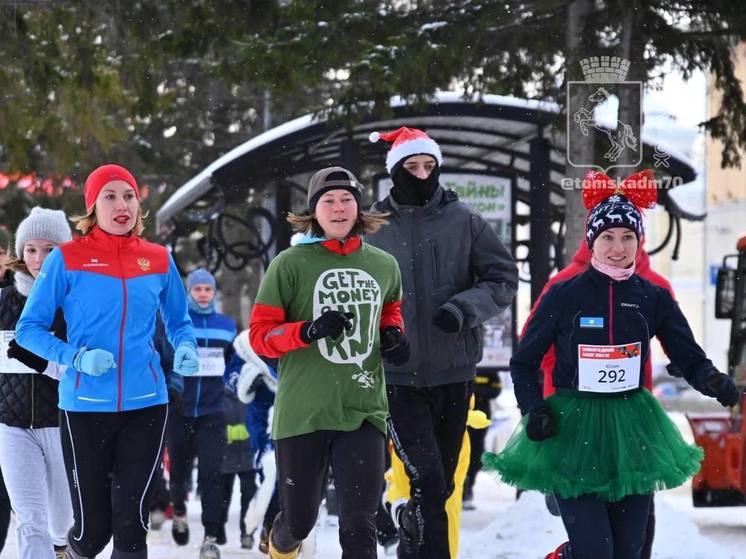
x,y
407,142
101,177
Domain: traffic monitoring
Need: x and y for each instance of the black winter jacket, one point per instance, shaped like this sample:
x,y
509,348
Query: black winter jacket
x,y
238,455
449,257
593,309
26,400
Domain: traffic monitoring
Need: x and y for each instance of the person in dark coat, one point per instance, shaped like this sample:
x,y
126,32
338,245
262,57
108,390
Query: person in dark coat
x,y
456,274
238,462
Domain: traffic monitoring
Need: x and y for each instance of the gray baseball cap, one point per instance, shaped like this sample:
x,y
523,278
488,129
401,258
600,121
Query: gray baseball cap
x,y
333,178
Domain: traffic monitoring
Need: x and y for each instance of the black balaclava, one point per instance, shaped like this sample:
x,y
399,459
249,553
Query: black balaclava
x,y
409,190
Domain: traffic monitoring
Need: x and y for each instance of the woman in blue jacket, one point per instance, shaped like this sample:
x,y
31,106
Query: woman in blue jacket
x,y
602,444
110,284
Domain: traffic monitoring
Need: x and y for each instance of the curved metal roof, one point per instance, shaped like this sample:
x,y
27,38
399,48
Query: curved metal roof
x,y
491,134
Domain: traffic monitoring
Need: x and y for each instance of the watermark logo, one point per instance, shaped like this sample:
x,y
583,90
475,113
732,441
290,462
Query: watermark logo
x,y
592,182
592,107
661,157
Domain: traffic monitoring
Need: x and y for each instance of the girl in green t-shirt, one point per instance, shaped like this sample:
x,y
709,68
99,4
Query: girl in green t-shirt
x,y
329,308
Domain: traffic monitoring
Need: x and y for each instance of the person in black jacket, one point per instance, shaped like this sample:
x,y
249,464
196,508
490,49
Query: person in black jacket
x,y
603,444
6,275
456,274
30,447
6,279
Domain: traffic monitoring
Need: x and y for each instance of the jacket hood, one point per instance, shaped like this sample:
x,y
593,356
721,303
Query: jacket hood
x,y
253,366
245,351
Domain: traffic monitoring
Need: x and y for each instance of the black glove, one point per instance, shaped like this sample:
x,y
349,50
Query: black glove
x,y
394,346
541,423
29,359
674,371
721,387
446,321
175,401
330,324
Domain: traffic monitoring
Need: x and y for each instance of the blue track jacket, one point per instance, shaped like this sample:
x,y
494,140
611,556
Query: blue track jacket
x,y
204,395
110,289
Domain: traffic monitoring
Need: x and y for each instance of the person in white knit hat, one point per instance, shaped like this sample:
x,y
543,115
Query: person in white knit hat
x,y
456,274
30,446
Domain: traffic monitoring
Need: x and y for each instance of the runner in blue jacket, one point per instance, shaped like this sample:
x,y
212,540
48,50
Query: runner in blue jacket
x,y
201,429
110,284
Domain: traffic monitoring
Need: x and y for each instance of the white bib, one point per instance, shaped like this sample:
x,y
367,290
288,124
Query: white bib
x,y
211,361
10,365
608,368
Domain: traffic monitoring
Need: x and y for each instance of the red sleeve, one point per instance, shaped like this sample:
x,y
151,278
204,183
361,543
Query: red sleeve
x,y
654,277
391,316
270,335
547,362
547,367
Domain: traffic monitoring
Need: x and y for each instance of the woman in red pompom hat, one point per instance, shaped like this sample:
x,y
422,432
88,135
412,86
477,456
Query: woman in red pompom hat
x,y
602,444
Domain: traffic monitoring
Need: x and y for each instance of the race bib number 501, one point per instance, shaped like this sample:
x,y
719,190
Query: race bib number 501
x,y
608,368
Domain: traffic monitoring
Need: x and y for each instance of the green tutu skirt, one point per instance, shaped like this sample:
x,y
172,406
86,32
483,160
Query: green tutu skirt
x,y
610,447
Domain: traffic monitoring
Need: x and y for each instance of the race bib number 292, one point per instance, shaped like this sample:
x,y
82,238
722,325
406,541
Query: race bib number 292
x,y
609,368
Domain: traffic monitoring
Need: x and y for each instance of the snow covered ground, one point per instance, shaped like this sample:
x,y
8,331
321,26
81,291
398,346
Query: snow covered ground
x,y
501,527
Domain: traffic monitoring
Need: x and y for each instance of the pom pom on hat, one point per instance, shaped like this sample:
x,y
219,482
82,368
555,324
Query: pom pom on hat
x,y
617,205
407,142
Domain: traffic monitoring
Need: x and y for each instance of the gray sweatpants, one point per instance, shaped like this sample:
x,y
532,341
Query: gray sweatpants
x,y
34,472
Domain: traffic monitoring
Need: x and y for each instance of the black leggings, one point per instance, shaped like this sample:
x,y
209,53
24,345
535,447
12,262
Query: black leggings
x,y
427,428
111,460
357,462
248,489
4,512
204,437
601,530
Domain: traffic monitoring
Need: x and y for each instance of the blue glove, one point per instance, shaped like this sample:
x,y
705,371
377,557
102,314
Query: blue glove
x,y
185,360
260,454
94,362
258,466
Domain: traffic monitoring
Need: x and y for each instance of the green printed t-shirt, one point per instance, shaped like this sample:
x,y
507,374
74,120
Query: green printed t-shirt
x,y
331,384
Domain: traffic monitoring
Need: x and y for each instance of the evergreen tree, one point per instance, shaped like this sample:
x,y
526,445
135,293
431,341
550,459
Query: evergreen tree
x,y
167,87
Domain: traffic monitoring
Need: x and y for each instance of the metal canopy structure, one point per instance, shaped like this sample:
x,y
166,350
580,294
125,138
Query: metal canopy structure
x,y
495,134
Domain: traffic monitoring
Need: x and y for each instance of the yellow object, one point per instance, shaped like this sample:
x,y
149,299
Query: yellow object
x,y
275,554
399,481
237,433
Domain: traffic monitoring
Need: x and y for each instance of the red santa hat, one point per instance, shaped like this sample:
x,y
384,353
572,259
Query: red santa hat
x,y
405,143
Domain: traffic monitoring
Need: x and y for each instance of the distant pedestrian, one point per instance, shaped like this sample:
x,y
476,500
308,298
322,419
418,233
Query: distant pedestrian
x,y
200,430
